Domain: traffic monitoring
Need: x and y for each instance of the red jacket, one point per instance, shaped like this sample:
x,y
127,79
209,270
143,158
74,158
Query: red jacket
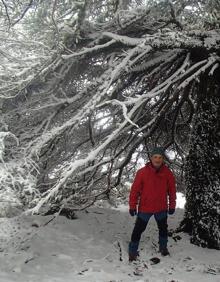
x,y
153,190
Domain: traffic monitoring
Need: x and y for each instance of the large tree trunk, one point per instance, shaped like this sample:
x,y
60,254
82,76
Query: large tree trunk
x,y
202,168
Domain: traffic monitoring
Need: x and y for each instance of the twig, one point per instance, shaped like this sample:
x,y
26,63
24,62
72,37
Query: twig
x,y
7,14
24,12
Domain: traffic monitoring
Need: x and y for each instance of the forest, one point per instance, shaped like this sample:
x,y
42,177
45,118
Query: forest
x,y
89,87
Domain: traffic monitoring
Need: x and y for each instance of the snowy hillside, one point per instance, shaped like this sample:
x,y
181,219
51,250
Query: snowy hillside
x,y
93,248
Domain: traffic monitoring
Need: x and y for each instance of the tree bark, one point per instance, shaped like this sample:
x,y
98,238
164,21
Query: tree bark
x,y
202,215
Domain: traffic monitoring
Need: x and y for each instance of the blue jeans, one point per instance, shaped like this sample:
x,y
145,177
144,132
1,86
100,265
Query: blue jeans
x,y
140,226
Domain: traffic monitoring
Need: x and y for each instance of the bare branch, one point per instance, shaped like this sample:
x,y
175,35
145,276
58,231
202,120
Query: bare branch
x,y
6,11
23,13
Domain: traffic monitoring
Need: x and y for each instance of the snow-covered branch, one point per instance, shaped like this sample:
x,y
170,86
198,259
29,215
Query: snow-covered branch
x,y
98,83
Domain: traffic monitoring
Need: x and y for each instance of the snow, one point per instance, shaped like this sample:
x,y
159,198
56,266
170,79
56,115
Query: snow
x,y
180,200
124,39
93,248
124,110
88,50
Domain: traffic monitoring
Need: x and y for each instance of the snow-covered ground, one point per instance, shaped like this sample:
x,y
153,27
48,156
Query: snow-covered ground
x,y
93,247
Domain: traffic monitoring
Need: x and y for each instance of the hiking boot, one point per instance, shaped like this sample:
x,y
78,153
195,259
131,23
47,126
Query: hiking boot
x,y
133,251
164,251
133,257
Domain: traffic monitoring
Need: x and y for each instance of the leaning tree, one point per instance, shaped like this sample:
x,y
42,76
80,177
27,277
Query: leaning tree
x,y
110,80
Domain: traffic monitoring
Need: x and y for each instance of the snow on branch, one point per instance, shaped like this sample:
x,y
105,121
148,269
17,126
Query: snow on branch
x,y
17,174
151,62
145,51
212,39
3,136
214,68
162,87
211,60
124,39
89,50
142,59
124,64
83,112
75,165
105,89
169,39
124,110
21,61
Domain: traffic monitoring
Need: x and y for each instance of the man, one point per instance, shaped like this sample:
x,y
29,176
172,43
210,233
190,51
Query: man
x,y
152,193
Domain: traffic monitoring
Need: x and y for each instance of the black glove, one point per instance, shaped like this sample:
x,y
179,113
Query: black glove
x,y
133,212
171,211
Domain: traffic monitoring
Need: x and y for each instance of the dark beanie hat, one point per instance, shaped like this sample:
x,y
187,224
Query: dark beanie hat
x,y
158,151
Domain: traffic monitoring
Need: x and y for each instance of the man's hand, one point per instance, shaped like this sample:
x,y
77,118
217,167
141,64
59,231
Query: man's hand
x,y
133,212
171,211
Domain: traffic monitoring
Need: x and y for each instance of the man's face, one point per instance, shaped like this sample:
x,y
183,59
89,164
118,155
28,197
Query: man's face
x,y
157,160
